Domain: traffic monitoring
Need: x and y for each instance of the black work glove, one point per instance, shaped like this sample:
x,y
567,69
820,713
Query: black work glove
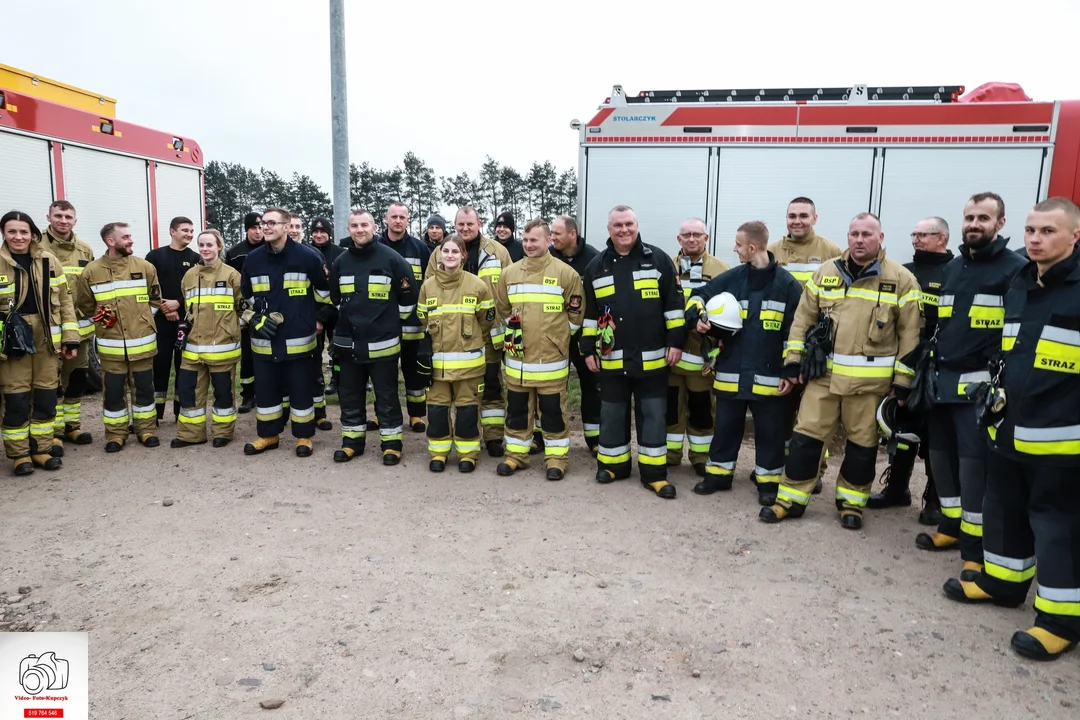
x,y
263,327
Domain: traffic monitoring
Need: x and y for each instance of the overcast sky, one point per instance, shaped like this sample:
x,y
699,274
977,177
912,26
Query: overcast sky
x,y
454,81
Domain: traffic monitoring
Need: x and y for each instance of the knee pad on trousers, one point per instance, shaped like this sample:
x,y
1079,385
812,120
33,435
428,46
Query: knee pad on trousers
x,y
492,381
144,387
186,381
858,465
468,421
672,415
517,409
699,406
44,402
76,386
16,409
804,456
113,391
438,421
221,382
551,417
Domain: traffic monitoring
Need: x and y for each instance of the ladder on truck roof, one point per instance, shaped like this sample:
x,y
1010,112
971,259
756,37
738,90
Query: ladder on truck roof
x,y
855,95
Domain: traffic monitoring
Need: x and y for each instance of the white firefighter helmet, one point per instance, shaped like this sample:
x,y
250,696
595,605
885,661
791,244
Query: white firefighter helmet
x,y
896,421
724,313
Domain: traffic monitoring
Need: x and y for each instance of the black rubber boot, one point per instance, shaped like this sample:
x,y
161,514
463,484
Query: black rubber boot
x,y
931,508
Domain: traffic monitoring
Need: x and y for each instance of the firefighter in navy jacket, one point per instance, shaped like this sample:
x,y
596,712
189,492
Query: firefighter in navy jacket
x,y
971,317
633,331
285,284
749,371
1032,505
375,290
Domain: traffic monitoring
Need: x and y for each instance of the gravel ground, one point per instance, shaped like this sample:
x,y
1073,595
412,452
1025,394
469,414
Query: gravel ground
x,y
361,591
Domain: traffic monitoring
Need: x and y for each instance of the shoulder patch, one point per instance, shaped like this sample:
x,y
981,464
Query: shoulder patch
x,y
490,316
404,283
575,302
887,287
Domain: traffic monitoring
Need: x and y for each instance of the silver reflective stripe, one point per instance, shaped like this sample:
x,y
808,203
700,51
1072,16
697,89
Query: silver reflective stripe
x,y
839,359
1067,595
296,342
653,354
727,377
1011,329
691,359
603,282
193,412
975,377
347,280
1054,434
391,431
774,305
652,451
1061,335
761,472
378,279
1017,564
532,288
405,309
700,439
802,267
574,328
646,274
673,314
588,324
411,328
143,408
450,356
971,517
990,300
354,429
384,344
950,502
674,437
616,450
946,300
294,276
129,344
724,465
260,280
259,342
515,364
613,355
115,413
766,380
492,413
224,293
564,442
212,348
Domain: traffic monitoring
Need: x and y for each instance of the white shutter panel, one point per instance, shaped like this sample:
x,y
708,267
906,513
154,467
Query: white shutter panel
x,y
106,188
179,194
25,177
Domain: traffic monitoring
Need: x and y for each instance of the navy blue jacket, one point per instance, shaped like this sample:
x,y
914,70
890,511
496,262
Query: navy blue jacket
x,y
416,253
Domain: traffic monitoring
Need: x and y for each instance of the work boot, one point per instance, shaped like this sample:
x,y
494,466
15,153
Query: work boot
x,y
1039,644
776,513
246,406
971,571
894,493
79,437
495,448
391,457
936,541
344,454
466,466
331,387
437,464
753,477
114,446
931,504
47,462
221,442
417,424
851,519
605,476
373,424
971,594
662,488
537,443
178,443
711,484
699,469
149,440
554,473
766,493
324,424
507,468
261,445
23,466
57,448
303,447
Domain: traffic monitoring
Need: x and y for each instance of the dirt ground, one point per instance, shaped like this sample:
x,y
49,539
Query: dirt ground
x,y
358,591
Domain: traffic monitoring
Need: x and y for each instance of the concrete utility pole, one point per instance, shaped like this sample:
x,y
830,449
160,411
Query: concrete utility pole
x,y
339,123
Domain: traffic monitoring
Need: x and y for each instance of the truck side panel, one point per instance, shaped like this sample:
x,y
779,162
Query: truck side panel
x,y
26,176
105,188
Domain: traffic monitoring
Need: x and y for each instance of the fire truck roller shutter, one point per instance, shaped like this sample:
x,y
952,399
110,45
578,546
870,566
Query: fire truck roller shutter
x,y
920,182
105,187
25,176
179,194
756,183
664,185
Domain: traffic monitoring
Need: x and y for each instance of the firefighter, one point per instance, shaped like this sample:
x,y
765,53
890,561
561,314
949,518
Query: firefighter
x,y
858,315
539,302
38,325
568,246
374,290
486,259
121,293
1031,510
633,331
929,238
210,345
296,228
504,233
322,232
434,232
801,252
235,257
690,405
416,254
971,318
172,263
748,372
74,254
285,284
457,311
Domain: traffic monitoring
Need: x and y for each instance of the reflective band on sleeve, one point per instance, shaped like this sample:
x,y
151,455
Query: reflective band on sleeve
x,y
1047,441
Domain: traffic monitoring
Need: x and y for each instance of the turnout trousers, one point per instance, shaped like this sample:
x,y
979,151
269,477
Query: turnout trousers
x,y
1031,516
29,387
415,386
958,455
352,393
493,404
820,412
193,384
73,379
166,362
319,392
122,379
649,397
247,366
690,410
770,417
589,385
276,381
463,432
522,405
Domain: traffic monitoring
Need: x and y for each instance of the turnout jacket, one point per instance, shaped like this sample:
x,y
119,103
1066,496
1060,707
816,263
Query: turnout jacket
x,y
457,312
546,295
641,291
415,252
802,258
129,286
485,258
374,290
929,270
692,276
1041,341
212,304
291,282
74,255
971,315
48,282
875,319
751,363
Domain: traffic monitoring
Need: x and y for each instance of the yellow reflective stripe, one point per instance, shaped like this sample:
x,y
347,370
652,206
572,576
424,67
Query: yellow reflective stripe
x,y
605,291
534,298
792,495
912,296
297,349
647,284
945,311
57,281
1070,609
929,299
875,296
1009,569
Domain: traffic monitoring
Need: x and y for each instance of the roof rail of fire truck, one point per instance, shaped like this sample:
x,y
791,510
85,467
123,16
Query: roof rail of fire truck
x,y
855,95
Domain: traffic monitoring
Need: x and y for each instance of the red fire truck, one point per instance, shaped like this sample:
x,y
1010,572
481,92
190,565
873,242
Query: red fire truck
x,y
728,156
61,142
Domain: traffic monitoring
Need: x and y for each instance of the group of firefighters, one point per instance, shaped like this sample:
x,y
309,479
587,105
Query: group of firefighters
x,y
805,336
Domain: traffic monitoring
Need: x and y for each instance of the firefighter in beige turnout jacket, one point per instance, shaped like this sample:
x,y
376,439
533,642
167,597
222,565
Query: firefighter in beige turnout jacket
x,y
122,293
539,302
690,403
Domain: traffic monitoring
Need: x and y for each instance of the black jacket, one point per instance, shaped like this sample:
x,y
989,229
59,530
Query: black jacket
x,y
514,247
751,363
579,260
929,269
641,291
237,254
971,315
328,250
415,252
1042,360
374,290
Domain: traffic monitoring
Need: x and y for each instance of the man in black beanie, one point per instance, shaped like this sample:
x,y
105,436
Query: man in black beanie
x,y
322,234
234,258
504,233
435,232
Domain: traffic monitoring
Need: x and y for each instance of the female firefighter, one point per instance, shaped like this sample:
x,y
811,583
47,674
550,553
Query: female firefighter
x,y
457,312
210,346
37,324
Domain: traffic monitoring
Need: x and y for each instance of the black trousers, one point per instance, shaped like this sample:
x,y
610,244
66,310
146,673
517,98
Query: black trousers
x,y
649,397
958,454
589,383
415,386
770,419
1031,518
317,370
352,392
247,367
275,381
166,361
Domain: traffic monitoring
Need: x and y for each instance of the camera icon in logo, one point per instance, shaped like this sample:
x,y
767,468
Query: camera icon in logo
x,y
38,673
